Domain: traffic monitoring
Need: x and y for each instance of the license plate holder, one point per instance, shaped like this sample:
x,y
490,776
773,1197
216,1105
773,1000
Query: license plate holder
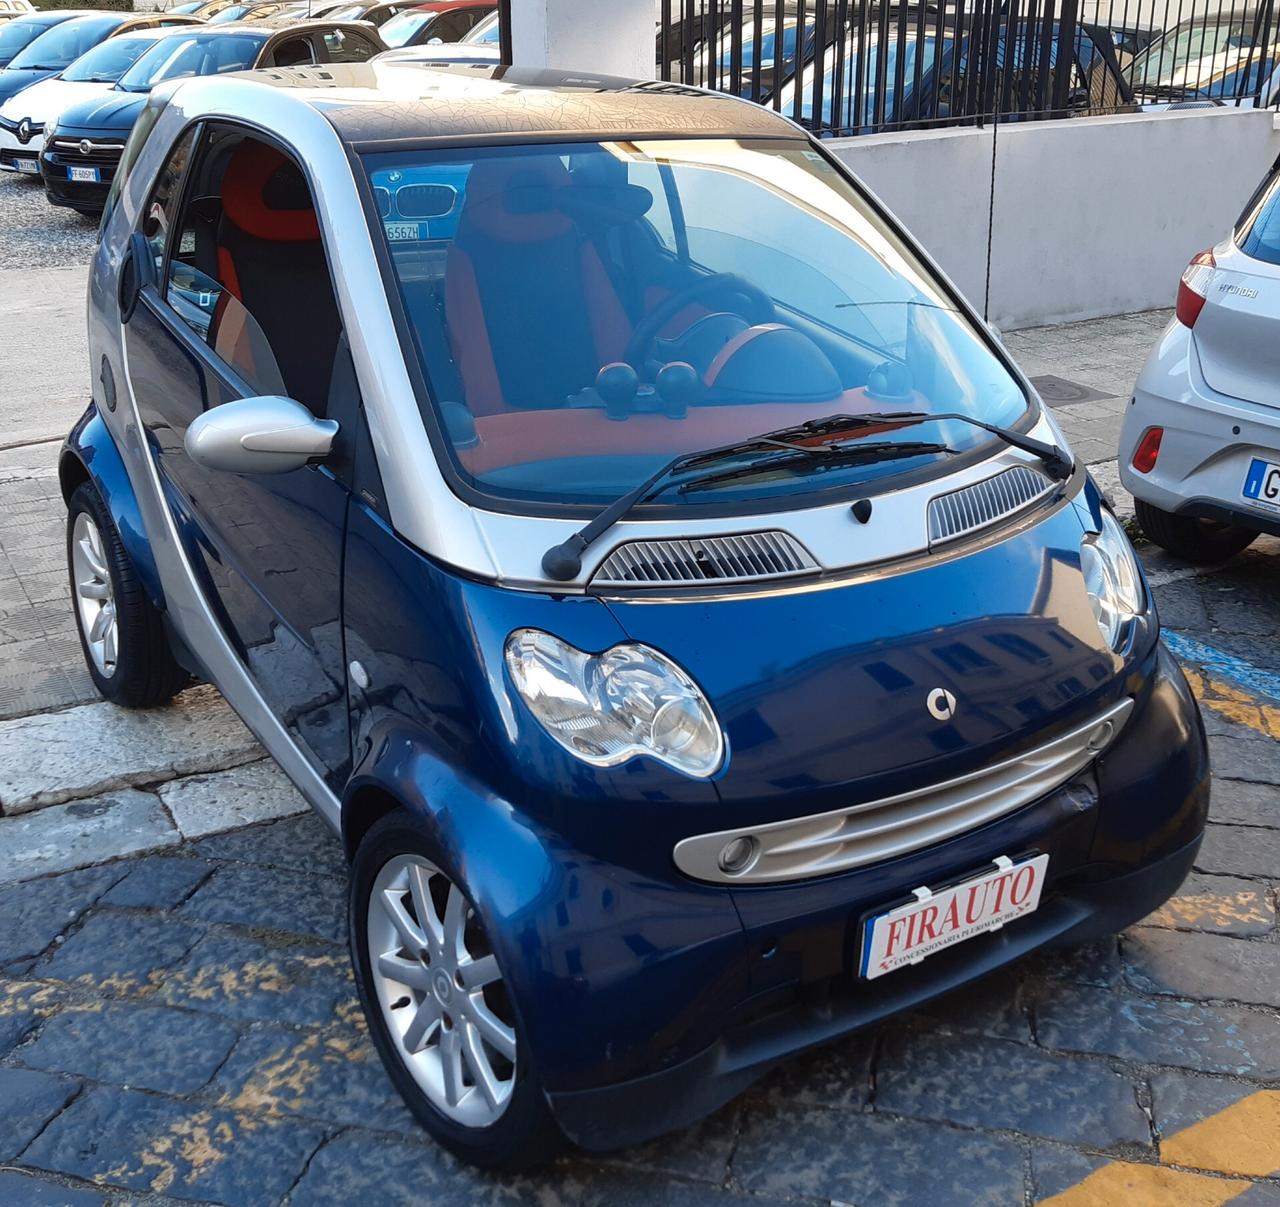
x,y
30,166
1262,484
934,920
84,175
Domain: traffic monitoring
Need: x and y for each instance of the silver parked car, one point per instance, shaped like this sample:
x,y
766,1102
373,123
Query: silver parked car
x,y
1200,446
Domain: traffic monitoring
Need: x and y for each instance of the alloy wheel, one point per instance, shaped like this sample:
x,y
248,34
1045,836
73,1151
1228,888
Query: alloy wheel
x,y
95,596
440,991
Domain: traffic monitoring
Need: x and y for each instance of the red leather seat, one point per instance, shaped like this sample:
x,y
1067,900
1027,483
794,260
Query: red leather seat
x,y
532,314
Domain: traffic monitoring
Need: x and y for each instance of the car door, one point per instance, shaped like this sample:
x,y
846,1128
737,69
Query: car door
x,y
235,310
338,45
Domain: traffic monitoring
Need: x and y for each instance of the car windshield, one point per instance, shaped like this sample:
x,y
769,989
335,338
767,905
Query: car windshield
x,y
487,33
348,12
176,57
14,35
1205,58
227,15
768,41
108,61
584,313
400,28
65,43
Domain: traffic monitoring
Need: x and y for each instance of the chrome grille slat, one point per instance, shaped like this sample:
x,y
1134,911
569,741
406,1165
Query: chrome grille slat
x,y
984,503
741,557
820,845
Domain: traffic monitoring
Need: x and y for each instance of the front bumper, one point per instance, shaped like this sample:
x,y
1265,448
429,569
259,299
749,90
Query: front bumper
x,y
55,165
1209,441
1120,839
628,1113
11,155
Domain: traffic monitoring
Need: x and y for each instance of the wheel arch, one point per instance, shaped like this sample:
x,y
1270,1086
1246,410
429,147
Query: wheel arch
x,y
90,455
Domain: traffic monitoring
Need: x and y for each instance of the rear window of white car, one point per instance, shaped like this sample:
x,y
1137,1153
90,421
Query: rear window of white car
x,y
1258,231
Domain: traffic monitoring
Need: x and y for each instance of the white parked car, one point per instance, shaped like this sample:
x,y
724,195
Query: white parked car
x,y
93,74
1200,446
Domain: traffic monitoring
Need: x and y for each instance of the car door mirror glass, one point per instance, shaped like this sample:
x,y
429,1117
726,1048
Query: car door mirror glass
x,y
261,435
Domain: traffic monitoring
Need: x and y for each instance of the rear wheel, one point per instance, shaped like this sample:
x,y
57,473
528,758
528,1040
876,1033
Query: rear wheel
x,y
1192,538
437,1004
121,633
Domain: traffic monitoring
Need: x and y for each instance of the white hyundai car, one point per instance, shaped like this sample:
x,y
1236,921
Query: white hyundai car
x,y
1200,445
37,108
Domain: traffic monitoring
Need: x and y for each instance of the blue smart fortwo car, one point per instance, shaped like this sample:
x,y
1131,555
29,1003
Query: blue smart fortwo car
x,y
689,617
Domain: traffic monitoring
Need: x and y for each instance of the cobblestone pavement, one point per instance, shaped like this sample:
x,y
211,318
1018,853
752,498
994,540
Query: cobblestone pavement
x,y
178,1022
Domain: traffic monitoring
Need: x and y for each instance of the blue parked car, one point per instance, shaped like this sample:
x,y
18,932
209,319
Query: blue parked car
x,y
687,614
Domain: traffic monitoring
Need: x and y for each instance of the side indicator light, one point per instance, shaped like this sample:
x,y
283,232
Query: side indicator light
x,y
1148,450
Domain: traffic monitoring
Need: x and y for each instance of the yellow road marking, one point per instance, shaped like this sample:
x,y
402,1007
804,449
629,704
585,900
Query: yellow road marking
x,y
1242,1139
1237,705
1147,1186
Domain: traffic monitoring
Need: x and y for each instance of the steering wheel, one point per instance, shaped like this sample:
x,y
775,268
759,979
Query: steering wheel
x,y
753,304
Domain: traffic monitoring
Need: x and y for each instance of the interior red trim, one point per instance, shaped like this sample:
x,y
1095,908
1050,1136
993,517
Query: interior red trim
x,y
243,185
522,437
739,341
227,275
469,337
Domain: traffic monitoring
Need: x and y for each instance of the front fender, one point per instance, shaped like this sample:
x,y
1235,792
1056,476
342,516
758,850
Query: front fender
x,y
90,454
612,973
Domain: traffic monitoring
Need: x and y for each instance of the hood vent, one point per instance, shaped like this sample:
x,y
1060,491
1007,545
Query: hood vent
x,y
985,503
744,557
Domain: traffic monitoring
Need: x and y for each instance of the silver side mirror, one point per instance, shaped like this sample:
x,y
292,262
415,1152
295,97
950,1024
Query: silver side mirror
x,y
268,435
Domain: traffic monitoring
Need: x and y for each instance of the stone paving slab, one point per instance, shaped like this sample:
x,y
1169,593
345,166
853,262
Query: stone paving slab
x,y
76,753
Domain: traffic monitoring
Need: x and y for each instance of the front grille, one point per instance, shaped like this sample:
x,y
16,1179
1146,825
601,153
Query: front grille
x,y
425,200
985,503
98,154
11,157
743,557
882,829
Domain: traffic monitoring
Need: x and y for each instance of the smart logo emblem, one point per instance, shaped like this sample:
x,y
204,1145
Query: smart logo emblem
x,y
942,704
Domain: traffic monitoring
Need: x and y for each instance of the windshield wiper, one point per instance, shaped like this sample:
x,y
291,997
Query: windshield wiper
x,y
828,456
1059,465
564,561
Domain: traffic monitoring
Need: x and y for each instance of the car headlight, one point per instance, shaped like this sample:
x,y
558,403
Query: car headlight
x,y
610,707
1112,579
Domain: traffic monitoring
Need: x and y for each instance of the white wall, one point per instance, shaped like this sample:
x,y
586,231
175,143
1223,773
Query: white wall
x,y
604,37
1092,216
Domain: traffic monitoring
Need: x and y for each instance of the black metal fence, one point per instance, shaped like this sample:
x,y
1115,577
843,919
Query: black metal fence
x,y
855,66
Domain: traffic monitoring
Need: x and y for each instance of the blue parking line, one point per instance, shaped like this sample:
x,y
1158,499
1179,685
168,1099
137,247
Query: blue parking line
x,y
1225,666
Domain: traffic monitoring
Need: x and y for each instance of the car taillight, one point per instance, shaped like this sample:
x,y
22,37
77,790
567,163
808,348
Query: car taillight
x,y
1193,289
1148,450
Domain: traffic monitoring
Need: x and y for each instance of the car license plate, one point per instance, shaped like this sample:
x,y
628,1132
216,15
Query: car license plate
x,y
30,166
406,232
932,922
1262,483
88,175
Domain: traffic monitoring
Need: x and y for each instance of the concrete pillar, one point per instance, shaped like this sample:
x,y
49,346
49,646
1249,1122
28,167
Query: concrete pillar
x,y
603,37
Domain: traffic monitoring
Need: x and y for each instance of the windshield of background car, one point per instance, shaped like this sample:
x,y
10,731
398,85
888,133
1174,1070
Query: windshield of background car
x,y
65,43
14,35
177,57
584,313
1209,59
108,61
400,28
487,33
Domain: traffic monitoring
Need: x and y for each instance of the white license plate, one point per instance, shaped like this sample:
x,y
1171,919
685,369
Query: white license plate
x,y
88,175
31,166
933,922
405,232
1262,483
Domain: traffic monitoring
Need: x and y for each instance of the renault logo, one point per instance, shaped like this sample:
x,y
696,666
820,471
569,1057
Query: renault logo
x,y
85,146
24,131
941,704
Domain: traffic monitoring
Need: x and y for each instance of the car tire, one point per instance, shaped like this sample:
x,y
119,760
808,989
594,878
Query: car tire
x,y
1190,537
121,632
499,1118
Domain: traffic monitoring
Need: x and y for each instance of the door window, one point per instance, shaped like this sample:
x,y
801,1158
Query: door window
x,y
345,46
161,208
248,273
296,52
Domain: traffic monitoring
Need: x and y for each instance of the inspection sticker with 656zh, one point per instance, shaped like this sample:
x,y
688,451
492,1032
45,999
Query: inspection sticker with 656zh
x,y
934,921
